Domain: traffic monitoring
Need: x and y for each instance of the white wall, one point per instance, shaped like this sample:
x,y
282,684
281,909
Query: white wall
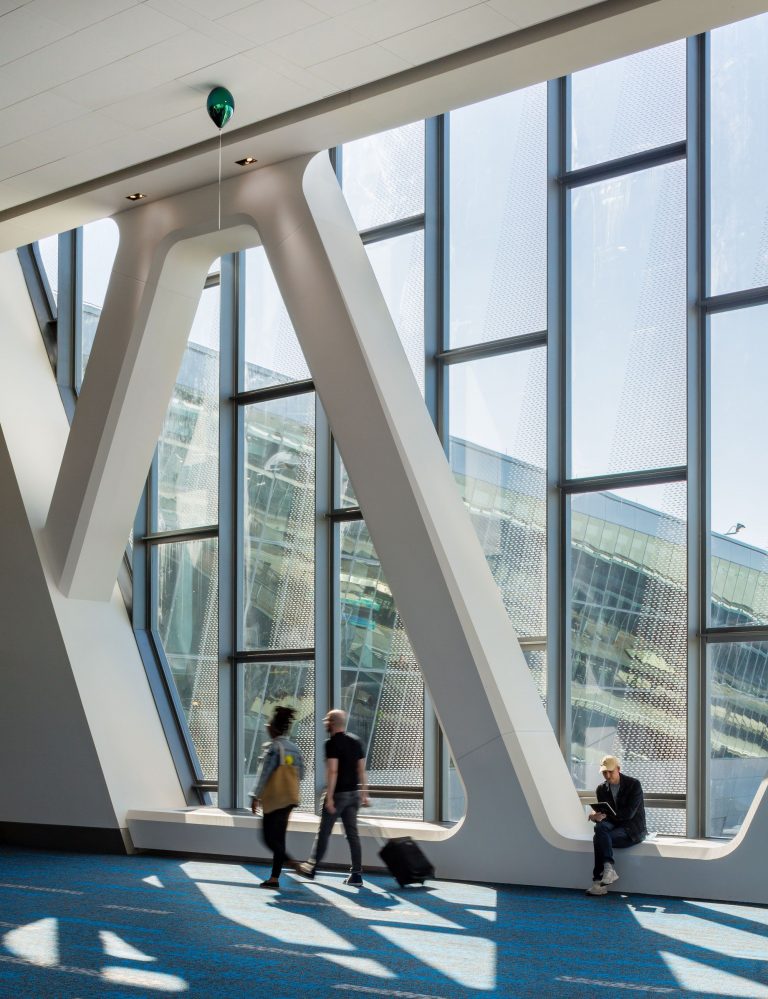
x,y
52,770
79,734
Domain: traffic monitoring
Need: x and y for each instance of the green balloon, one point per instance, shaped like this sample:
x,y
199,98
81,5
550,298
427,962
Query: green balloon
x,y
221,106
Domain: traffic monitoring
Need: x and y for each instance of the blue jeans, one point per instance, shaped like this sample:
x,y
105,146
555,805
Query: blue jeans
x,y
606,839
346,803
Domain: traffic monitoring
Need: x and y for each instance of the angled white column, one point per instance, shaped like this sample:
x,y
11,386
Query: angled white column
x,y
150,304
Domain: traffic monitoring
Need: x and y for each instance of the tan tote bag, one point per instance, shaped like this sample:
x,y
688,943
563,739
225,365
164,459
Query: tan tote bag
x,y
282,788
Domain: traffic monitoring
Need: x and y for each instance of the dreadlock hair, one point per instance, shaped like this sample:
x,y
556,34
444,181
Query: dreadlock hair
x,y
281,720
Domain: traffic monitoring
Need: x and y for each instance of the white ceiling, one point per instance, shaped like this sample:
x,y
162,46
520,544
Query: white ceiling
x,y
92,86
99,96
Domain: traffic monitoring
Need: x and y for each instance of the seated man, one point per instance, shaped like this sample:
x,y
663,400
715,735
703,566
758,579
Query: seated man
x,y
621,826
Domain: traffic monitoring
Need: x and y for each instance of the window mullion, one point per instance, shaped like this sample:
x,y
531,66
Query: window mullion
x,y
326,589
435,309
558,541
68,315
230,687
698,736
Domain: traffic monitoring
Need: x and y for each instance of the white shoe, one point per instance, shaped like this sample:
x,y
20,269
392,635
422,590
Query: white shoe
x,y
609,875
596,888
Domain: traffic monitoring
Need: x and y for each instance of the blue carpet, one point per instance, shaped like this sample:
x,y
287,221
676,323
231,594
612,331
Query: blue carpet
x,y
81,926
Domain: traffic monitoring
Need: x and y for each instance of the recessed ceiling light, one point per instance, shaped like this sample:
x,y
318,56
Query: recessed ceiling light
x,y
135,197
247,161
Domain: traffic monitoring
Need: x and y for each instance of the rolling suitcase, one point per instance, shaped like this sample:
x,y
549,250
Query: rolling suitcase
x,y
406,861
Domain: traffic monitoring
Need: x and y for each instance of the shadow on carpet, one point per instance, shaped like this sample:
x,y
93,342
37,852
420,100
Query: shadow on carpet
x,y
78,926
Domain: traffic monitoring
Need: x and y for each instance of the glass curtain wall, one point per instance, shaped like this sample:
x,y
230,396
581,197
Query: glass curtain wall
x,y
181,534
736,310
99,248
494,365
625,340
276,528
496,362
383,180
578,275
49,256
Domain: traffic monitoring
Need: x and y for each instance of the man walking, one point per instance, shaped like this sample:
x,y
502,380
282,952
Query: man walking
x,y
620,825
346,789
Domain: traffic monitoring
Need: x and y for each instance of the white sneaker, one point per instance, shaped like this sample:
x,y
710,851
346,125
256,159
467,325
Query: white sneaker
x,y
609,875
596,888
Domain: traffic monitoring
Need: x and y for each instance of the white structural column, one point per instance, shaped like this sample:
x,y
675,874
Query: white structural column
x,y
524,822
151,301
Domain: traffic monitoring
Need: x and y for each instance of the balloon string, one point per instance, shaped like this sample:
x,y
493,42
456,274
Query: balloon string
x,y
219,180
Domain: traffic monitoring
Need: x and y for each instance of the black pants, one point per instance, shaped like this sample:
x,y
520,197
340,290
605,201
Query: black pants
x,y
274,826
346,803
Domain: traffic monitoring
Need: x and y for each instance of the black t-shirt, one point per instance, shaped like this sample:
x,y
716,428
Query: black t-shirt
x,y
347,749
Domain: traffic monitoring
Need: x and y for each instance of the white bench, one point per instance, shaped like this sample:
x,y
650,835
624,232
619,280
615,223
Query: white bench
x,y
669,865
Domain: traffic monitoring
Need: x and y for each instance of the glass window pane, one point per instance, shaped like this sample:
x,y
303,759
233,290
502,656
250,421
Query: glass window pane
x,y
498,218
100,241
628,634
381,682
666,821
537,663
399,268
739,719
398,264
739,485
628,105
265,686
187,624
738,151
628,356
49,254
347,495
454,797
279,523
383,176
188,452
498,451
272,352
398,808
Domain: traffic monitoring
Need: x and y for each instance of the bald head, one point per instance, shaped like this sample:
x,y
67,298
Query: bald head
x,y
335,720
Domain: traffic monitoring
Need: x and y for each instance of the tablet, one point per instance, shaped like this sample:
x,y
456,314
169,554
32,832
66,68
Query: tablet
x,y
604,807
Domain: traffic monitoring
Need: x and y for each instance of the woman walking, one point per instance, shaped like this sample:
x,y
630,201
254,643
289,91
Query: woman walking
x,y
277,790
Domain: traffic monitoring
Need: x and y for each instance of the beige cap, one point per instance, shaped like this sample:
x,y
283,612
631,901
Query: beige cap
x,y
609,763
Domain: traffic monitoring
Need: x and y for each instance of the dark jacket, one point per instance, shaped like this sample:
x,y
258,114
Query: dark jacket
x,y
630,807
